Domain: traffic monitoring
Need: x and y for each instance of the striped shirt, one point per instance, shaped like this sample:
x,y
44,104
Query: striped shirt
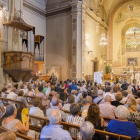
x,y
76,120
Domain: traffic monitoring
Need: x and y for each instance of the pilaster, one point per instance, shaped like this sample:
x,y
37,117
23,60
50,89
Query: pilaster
x,y
77,40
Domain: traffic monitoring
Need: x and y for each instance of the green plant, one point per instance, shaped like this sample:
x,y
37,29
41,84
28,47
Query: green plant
x,y
107,69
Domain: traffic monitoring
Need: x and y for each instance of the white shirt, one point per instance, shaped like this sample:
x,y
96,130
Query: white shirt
x,y
48,91
37,112
108,93
77,97
123,101
12,95
66,107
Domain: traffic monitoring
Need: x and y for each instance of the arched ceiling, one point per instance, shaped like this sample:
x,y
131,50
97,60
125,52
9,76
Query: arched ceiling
x,y
109,5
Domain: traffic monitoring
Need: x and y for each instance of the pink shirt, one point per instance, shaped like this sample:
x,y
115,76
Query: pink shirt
x,y
107,110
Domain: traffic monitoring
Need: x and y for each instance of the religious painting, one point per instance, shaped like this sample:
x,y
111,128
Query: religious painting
x,y
132,39
128,10
132,62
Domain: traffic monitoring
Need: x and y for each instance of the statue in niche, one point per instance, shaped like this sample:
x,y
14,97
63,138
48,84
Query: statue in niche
x,y
131,7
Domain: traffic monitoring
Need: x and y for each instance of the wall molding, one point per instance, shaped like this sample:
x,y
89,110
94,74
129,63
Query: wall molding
x,y
33,9
95,17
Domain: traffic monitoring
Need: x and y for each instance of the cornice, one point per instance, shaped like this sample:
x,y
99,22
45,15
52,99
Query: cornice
x,y
95,17
57,6
29,7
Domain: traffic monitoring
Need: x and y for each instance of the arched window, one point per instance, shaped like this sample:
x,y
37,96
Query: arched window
x,y
132,39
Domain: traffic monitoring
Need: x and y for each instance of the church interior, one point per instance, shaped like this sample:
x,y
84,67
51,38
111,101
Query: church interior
x,y
70,39
93,44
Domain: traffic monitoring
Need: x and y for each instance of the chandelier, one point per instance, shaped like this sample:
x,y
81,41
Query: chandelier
x,y
103,40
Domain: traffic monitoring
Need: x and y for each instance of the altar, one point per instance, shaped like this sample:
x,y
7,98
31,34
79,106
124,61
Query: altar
x,y
126,77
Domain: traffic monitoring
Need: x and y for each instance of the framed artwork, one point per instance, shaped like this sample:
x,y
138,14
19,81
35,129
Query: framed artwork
x,y
132,61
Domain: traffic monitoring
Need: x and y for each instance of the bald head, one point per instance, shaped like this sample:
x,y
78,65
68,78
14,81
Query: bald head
x,y
55,117
55,101
108,98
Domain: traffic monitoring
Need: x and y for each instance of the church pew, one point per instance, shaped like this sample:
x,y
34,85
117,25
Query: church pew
x,y
66,126
17,134
13,101
68,112
109,119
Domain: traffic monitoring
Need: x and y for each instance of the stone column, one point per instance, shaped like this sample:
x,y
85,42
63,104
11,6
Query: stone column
x,y
77,40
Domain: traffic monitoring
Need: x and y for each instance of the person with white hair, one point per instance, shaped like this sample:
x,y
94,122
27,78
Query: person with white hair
x,y
99,99
54,131
87,130
122,126
55,105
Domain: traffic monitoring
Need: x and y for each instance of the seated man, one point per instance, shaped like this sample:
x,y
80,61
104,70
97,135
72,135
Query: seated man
x,y
12,94
87,130
54,131
55,105
99,99
106,109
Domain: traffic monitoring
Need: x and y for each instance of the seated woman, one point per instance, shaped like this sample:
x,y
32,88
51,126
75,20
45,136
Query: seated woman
x,y
84,109
35,110
30,91
44,100
71,100
74,118
9,121
121,125
93,116
22,99
132,108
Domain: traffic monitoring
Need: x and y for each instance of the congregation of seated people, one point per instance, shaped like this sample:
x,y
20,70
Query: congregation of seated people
x,y
112,108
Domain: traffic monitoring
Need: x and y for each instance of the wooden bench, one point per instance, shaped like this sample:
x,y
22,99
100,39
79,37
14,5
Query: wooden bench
x,y
68,112
17,134
66,126
14,102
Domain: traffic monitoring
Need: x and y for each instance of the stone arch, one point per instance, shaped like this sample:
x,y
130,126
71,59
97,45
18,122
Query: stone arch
x,y
110,34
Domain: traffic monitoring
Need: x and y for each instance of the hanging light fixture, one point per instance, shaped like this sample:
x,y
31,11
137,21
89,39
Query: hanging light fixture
x,y
103,40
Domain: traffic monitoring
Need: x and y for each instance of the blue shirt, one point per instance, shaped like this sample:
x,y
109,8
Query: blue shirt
x,y
71,87
123,128
54,132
